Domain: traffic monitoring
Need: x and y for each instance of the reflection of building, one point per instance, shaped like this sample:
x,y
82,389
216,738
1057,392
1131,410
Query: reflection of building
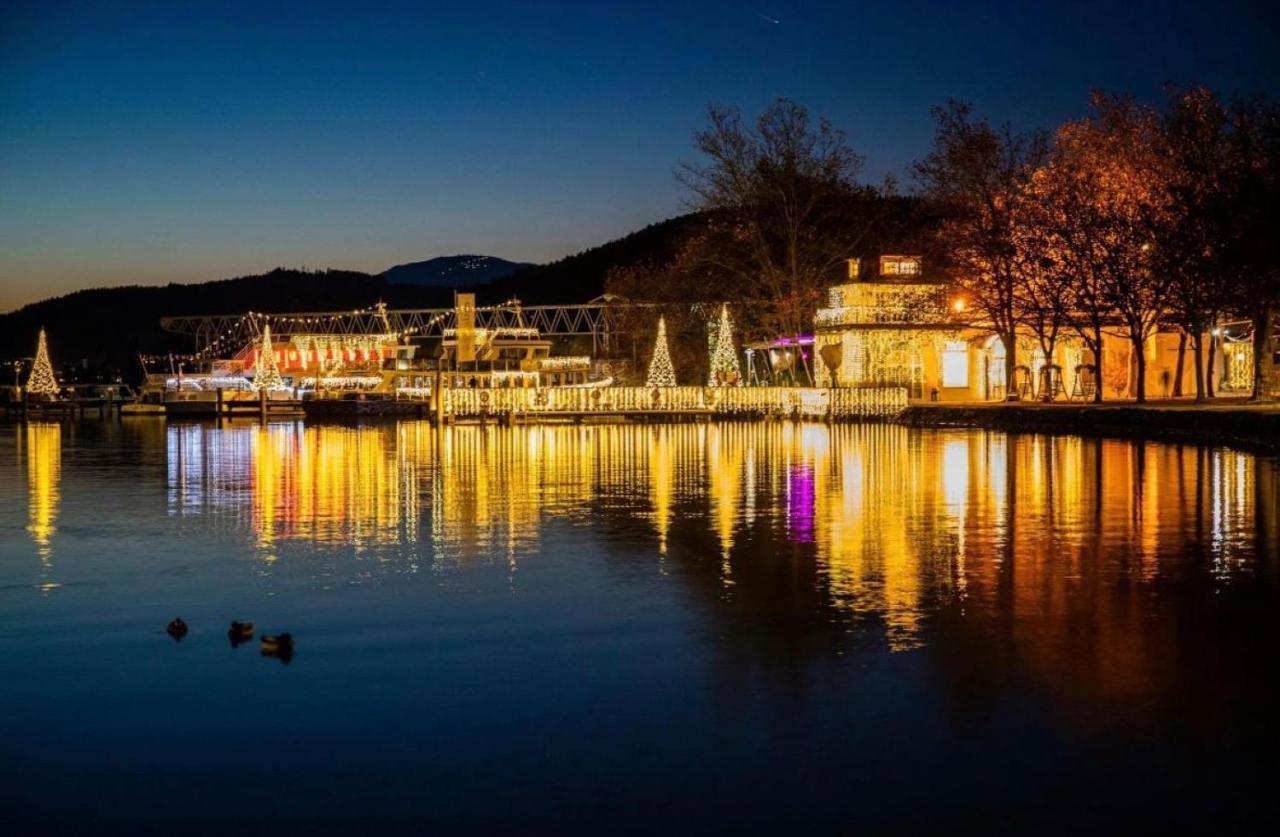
x,y
899,327
892,524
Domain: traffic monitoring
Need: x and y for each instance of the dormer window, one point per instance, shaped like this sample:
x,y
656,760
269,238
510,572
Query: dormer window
x,y
899,265
855,268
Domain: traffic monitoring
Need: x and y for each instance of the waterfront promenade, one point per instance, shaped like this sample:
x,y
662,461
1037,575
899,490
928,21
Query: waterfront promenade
x,y
1230,421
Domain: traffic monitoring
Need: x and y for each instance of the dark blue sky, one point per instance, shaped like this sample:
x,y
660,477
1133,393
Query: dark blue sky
x,y
173,141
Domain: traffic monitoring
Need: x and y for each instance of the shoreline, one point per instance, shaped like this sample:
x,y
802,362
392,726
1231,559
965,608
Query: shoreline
x,y
1251,427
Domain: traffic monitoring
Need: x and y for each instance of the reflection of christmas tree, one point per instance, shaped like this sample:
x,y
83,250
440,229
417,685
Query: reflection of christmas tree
x,y
661,372
724,360
42,381
267,375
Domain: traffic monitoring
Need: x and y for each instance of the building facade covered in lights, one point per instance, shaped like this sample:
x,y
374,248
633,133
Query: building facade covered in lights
x,y
314,362
891,324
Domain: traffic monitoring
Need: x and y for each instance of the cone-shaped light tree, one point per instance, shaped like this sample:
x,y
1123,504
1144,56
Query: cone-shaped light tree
x,y
724,360
42,382
661,372
266,375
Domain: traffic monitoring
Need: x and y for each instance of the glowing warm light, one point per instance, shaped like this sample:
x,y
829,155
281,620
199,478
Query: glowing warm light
x,y
42,381
884,523
266,375
342,382
661,371
955,364
44,471
661,483
564,363
724,358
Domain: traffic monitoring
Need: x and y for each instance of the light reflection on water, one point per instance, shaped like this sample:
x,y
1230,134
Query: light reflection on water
x,y
899,520
1122,579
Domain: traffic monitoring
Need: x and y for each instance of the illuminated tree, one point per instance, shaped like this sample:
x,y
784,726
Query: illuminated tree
x,y
266,375
1104,188
1197,248
661,372
724,360
42,382
975,174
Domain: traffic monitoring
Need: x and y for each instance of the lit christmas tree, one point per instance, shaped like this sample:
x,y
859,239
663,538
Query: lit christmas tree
x,y
266,375
661,372
724,360
42,381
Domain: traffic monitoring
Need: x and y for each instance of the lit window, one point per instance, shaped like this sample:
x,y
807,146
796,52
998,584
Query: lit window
x,y
899,265
855,268
955,365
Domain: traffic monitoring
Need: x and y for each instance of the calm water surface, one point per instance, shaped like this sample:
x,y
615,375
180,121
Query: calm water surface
x,y
728,627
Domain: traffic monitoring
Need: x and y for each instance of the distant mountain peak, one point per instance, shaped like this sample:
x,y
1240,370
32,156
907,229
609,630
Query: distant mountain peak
x,y
460,271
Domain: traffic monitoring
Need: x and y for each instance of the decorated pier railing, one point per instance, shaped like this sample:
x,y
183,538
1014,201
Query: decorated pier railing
x,y
744,402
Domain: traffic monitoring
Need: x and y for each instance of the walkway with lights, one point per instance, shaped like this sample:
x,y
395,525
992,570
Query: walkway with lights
x,y
671,403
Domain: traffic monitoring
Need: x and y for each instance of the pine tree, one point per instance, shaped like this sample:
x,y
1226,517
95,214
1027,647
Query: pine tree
x,y
661,372
266,375
42,382
724,360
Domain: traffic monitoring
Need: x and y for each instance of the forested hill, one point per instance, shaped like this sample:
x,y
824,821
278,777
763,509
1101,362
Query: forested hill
x,y
107,327
580,277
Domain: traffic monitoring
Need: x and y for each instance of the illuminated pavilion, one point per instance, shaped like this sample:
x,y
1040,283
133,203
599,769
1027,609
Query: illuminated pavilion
x,y
899,327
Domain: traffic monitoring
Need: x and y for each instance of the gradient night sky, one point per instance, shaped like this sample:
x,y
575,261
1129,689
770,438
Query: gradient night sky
x,y
174,141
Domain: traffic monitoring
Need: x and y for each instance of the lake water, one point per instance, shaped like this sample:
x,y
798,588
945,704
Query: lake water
x,y
696,627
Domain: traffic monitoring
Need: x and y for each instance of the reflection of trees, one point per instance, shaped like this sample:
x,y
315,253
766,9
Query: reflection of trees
x,y
1100,572
1077,568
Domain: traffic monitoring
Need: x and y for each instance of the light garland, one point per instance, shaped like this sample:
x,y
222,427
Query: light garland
x,y
724,360
1239,365
208,383
266,375
661,371
781,402
252,318
506,376
510,332
564,364
42,380
342,382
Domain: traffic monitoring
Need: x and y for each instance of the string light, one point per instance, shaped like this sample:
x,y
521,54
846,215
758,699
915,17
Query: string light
x,y
870,402
342,382
661,371
565,363
266,375
42,381
724,360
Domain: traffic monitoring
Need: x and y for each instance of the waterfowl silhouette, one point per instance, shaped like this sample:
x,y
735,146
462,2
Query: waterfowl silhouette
x,y
240,632
176,629
280,645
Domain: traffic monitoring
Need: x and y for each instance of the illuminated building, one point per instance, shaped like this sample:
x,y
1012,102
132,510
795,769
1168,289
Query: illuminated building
x,y
902,328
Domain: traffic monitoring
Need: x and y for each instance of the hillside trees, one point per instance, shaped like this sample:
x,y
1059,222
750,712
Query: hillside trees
x,y
785,210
